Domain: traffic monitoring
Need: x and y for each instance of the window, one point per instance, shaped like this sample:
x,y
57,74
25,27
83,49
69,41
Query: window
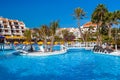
x,y
4,22
17,27
16,23
1,26
5,26
6,30
0,30
17,31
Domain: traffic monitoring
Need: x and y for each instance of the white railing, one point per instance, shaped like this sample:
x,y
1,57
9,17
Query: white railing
x,y
87,45
6,33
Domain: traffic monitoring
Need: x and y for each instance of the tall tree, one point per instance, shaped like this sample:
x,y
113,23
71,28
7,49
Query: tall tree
x,y
117,19
67,36
109,21
98,17
44,34
53,27
90,31
28,35
79,14
35,34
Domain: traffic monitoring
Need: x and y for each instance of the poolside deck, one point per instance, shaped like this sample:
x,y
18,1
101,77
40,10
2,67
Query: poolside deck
x,y
45,53
117,53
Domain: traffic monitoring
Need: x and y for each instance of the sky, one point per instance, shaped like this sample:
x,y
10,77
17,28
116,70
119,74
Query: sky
x,y
35,13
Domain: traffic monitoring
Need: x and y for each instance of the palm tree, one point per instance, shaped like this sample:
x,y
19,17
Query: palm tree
x,y
117,16
28,35
117,21
79,14
53,27
86,37
109,20
67,35
98,17
90,31
35,34
44,33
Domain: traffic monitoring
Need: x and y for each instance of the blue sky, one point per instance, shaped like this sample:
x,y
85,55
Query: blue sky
x,y
34,13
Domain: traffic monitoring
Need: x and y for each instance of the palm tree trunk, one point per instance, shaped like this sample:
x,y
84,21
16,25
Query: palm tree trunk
x,y
109,31
100,39
52,43
81,34
45,43
97,40
85,41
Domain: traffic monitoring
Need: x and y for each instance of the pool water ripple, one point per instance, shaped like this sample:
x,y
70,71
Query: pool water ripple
x,y
76,64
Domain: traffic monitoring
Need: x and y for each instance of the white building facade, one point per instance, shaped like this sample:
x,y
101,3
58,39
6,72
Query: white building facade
x,y
75,31
11,27
87,26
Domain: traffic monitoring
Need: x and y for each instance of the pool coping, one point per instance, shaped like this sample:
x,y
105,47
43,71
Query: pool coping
x,y
44,53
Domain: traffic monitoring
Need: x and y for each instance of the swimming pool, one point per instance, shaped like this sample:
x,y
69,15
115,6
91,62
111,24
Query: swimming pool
x,y
76,64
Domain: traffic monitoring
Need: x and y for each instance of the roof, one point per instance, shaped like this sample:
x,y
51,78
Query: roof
x,y
4,19
88,24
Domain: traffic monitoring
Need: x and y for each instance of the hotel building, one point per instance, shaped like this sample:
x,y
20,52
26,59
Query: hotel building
x,y
87,26
11,28
75,31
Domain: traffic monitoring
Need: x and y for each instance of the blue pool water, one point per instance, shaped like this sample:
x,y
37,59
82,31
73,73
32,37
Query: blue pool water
x,y
76,64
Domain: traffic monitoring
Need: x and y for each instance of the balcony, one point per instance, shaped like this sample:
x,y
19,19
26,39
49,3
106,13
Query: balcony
x,y
6,33
22,31
8,28
22,28
5,24
1,32
21,24
15,33
1,27
13,28
11,23
16,24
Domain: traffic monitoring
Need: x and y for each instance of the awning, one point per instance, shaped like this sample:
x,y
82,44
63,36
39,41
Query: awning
x,y
27,42
76,39
16,42
61,42
56,43
14,37
69,42
48,42
40,42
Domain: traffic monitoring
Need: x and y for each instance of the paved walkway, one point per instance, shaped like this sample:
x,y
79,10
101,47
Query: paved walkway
x,y
116,53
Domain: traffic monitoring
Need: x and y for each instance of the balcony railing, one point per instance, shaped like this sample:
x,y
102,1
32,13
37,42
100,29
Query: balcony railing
x,y
6,27
16,29
6,33
16,33
5,23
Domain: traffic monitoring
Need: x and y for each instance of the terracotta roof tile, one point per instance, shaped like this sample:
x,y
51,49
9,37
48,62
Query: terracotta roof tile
x,y
88,24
